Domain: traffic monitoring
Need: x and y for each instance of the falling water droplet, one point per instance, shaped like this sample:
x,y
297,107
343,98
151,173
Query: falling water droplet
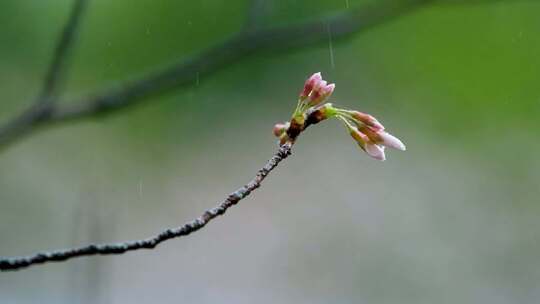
x,y
330,47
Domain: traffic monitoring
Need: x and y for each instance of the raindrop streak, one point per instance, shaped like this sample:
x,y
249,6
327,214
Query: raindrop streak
x,y
140,189
330,47
347,3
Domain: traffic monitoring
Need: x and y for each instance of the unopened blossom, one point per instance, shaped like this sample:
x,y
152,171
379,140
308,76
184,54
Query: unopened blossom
x,y
383,138
375,151
311,82
280,128
320,93
371,148
367,120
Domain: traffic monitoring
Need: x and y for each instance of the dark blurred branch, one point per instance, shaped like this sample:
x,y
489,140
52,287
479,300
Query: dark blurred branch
x,y
40,111
211,60
256,11
150,243
230,51
61,52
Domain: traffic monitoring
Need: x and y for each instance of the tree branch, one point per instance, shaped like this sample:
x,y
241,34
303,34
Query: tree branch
x,y
61,52
230,51
185,73
43,106
7,264
256,11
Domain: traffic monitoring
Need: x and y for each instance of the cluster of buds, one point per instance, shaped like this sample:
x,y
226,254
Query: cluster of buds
x,y
365,129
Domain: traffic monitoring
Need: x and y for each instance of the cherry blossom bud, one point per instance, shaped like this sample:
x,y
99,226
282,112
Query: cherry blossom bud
x,y
316,95
375,151
318,88
391,141
359,137
367,145
280,128
383,138
367,120
372,134
310,84
328,90
321,93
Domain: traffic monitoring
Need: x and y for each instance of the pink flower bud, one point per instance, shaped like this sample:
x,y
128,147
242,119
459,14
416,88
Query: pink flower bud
x,y
391,141
383,138
319,86
314,98
359,137
367,120
280,128
372,134
367,145
375,151
310,84
328,90
321,92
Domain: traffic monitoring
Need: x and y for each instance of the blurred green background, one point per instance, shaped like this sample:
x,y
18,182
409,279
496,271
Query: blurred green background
x,y
455,219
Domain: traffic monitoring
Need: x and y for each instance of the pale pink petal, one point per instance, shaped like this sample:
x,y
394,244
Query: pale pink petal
x,y
316,76
317,95
311,82
320,85
328,90
391,141
375,151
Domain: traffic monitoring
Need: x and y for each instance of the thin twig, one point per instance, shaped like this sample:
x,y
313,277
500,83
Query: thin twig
x,y
7,264
186,73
